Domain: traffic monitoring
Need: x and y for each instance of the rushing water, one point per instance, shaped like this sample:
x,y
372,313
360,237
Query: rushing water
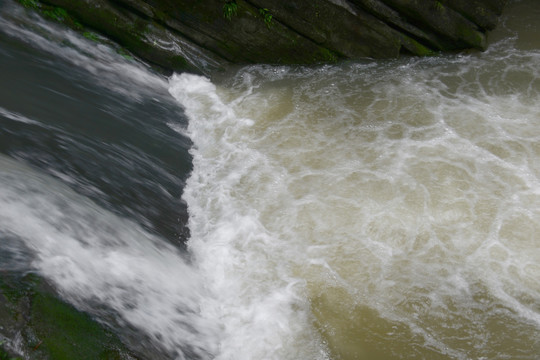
x,y
371,210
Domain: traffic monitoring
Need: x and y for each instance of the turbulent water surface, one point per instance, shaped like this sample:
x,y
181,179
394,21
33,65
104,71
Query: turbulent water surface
x,y
371,210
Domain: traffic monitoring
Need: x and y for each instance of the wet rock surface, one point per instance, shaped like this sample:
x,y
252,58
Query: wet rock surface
x,y
199,36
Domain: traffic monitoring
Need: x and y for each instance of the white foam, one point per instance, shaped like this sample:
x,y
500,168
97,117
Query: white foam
x,y
391,184
97,258
262,312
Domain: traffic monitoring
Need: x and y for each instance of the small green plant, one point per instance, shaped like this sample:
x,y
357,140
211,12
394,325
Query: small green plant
x,y
230,8
267,17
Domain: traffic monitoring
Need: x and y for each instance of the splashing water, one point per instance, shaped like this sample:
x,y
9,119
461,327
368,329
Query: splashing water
x,y
370,211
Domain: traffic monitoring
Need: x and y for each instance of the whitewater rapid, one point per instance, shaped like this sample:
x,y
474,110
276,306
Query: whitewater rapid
x,y
373,210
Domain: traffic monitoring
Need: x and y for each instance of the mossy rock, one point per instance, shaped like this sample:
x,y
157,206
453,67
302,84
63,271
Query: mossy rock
x,y
51,328
201,37
65,333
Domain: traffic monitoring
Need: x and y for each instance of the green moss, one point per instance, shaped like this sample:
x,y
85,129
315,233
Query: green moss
x,y
472,37
125,54
327,55
267,16
416,48
91,36
14,289
57,14
12,295
65,333
50,328
421,50
61,15
30,4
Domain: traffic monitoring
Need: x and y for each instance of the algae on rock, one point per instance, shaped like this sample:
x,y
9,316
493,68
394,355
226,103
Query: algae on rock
x,y
48,328
196,36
